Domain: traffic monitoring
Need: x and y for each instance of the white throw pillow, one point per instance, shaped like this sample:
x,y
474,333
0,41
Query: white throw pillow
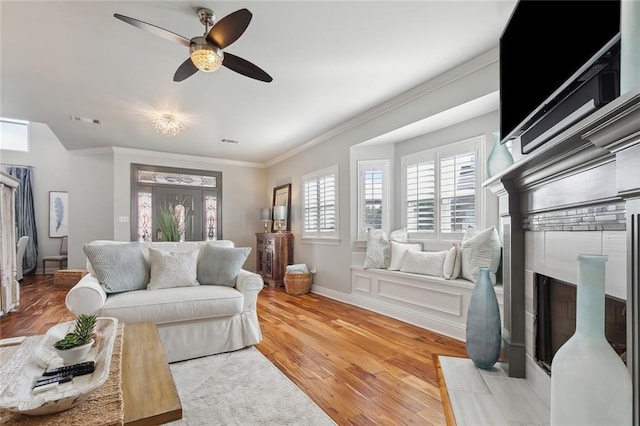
x,y
480,249
377,246
424,262
398,250
399,235
378,254
452,263
173,269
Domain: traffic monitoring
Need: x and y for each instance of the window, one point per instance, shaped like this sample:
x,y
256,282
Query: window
x,y
14,135
373,205
320,196
440,190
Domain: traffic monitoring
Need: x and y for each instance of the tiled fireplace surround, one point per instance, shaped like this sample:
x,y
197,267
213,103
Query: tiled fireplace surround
x,y
577,193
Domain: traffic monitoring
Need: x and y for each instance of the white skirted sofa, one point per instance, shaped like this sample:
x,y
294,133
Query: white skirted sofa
x,y
197,293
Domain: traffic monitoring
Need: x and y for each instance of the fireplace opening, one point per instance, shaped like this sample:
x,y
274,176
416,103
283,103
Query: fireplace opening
x,y
555,319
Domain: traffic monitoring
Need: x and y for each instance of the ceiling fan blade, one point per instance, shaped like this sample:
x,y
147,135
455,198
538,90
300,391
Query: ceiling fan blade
x,y
160,32
184,71
245,67
230,28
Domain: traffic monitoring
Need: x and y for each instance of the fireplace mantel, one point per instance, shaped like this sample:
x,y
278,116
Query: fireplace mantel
x,y
594,162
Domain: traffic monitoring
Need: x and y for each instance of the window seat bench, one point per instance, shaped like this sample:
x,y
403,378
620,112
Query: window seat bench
x,y
433,303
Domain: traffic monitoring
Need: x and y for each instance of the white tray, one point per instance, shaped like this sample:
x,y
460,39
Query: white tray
x,y
17,395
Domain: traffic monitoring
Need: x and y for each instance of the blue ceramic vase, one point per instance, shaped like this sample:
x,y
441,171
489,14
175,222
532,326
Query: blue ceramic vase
x,y
484,330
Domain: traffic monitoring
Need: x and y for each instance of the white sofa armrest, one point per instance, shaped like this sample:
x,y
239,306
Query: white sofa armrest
x,y
86,297
249,284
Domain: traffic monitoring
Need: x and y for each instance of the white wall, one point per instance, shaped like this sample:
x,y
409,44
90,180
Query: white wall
x,y
470,81
90,201
50,163
102,180
242,193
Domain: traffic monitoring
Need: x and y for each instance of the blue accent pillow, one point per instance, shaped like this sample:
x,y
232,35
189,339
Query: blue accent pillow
x,y
221,265
118,267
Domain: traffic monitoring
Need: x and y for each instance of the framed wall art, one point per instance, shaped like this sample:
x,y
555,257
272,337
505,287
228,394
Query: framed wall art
x,y
282,197
58,214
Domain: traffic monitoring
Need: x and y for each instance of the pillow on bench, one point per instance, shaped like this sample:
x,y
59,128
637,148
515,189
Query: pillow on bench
x,y
378,254
445,263
480,249
398,251
424,262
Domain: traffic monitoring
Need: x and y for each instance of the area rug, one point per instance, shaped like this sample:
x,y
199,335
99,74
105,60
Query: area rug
x,y
241,388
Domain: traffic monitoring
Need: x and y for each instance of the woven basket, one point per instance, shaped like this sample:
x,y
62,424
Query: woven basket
x,y
299,283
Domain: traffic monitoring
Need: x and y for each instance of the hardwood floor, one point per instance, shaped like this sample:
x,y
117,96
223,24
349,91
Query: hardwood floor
x,y
358,366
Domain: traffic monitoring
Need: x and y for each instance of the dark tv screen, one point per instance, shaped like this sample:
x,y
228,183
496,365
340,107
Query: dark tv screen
x,y
542,46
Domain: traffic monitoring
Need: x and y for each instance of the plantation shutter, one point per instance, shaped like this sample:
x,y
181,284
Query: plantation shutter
x,y
457,192
311,205
327,203
420,190
372,199
320,198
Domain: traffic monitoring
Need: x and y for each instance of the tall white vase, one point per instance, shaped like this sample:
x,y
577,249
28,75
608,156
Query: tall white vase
x,y
590,384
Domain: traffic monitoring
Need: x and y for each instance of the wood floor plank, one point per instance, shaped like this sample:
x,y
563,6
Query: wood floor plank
x,y
360,367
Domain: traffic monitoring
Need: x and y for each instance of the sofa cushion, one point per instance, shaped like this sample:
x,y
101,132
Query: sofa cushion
x,y
172,269
118,267
221,265
169,305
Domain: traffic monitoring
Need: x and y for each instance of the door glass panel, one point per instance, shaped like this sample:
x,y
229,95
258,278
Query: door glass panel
x,y
144,216
211,211
166,178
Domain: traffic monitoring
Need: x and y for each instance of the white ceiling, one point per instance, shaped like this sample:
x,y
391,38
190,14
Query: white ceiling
x,y
330,61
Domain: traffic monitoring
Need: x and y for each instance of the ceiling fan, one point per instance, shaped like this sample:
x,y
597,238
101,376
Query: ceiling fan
x,y
206,51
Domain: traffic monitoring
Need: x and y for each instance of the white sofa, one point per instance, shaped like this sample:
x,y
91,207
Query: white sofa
x,y
192,321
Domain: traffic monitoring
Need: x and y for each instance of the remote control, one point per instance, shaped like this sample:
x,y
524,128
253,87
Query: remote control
x,y
62,379
75,369
48,379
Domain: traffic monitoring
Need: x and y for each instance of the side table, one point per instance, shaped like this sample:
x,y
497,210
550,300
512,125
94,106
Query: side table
x,y
273,253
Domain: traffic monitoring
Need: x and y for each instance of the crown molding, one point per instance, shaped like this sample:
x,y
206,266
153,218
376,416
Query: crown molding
x,y
461,71
168,155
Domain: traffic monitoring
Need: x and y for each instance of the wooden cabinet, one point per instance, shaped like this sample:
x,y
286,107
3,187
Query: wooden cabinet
x,y
9,287
274,252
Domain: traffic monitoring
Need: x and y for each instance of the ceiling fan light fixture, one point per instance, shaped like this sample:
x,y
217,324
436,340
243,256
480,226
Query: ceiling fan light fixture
x,y
205,57
168,125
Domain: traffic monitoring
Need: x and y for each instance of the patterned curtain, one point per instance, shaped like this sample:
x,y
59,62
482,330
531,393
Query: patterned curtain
x,y
26,217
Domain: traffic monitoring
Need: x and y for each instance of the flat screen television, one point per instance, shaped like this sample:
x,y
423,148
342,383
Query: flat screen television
x,y
559,60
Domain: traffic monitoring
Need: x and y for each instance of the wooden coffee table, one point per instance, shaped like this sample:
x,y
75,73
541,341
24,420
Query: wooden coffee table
x,y
148,391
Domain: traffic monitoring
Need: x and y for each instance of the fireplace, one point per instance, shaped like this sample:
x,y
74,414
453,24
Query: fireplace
x,y
579,193
555,319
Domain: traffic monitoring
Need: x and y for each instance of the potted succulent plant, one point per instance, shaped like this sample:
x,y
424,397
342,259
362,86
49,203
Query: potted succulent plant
x,y
75,346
